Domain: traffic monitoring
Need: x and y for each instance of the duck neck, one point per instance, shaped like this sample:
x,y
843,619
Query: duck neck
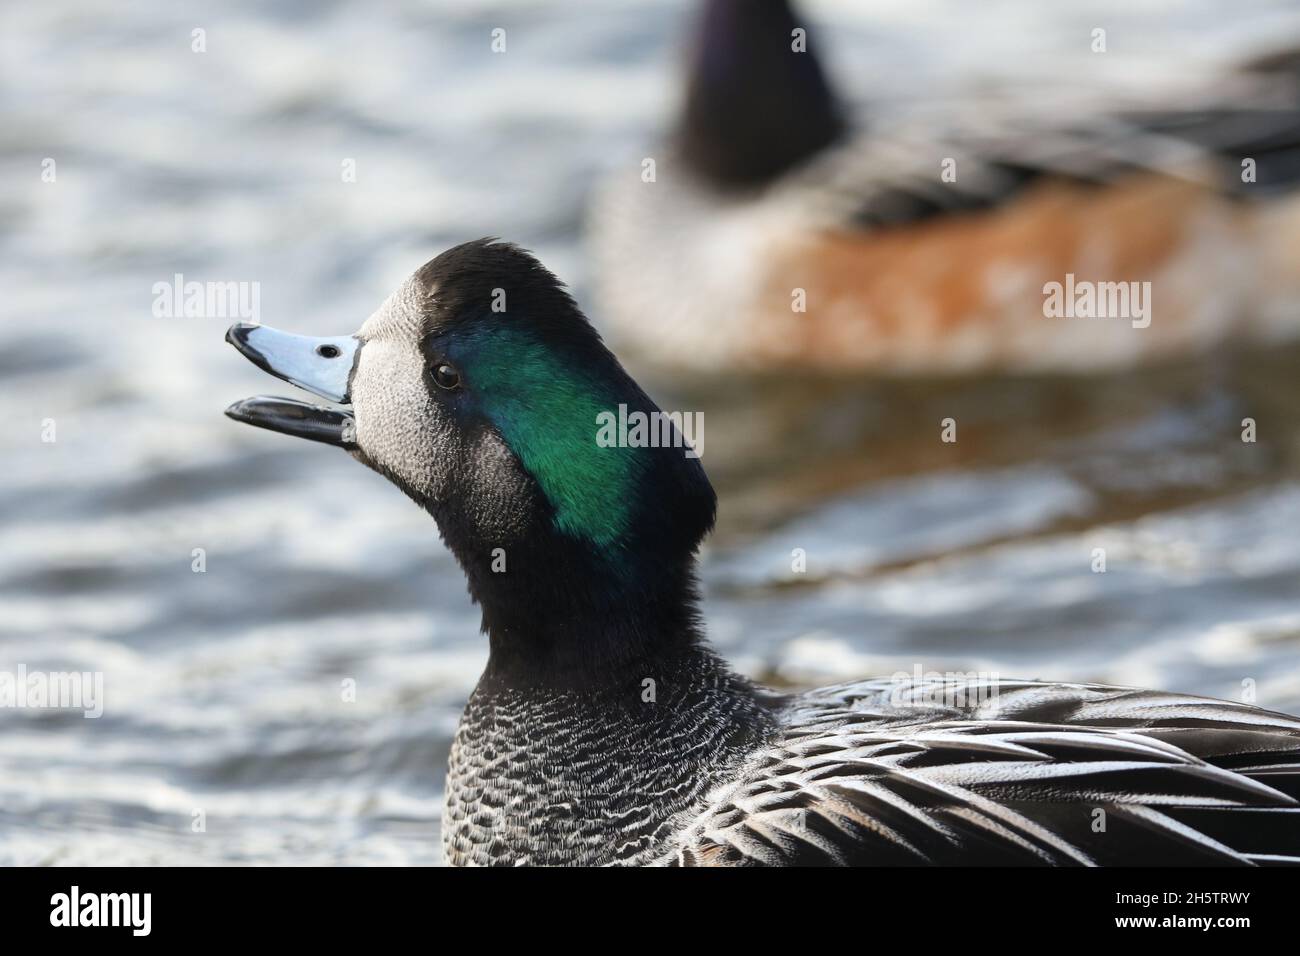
x,y
557,618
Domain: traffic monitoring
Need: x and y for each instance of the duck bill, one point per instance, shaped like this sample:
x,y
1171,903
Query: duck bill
x,y
322,366
333,426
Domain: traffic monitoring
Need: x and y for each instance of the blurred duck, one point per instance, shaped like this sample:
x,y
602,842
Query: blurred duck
x,y
772,235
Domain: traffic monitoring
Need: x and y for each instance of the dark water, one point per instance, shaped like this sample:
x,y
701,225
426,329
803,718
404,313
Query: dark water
x,y
224,690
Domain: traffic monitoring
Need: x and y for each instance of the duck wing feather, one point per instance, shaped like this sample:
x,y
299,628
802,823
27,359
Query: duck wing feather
x,y
984,772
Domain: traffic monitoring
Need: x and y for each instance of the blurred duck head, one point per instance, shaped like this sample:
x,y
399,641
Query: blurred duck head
x,y
757,103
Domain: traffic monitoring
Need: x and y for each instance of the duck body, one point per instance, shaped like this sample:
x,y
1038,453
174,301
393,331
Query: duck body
x,y
605,731
933,246
593,775
760,284
720,772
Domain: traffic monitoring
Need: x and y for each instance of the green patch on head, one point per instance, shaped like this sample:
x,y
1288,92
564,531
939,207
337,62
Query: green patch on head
x,y
548,414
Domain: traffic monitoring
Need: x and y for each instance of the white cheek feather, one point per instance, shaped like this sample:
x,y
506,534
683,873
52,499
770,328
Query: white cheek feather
x,y
394,414
400,316
393,411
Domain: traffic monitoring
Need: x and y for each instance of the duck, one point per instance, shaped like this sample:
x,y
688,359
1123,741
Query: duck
x,y
772,230
605,730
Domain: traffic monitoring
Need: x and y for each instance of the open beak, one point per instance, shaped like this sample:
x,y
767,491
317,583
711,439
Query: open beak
x,y
320,365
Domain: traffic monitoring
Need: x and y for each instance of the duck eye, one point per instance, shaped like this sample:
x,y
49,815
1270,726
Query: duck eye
x,y
446,376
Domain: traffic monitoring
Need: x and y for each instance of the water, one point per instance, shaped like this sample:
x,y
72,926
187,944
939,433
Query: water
x,y
225,690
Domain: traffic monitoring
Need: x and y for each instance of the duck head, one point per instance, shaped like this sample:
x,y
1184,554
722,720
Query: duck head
x,y
478,388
